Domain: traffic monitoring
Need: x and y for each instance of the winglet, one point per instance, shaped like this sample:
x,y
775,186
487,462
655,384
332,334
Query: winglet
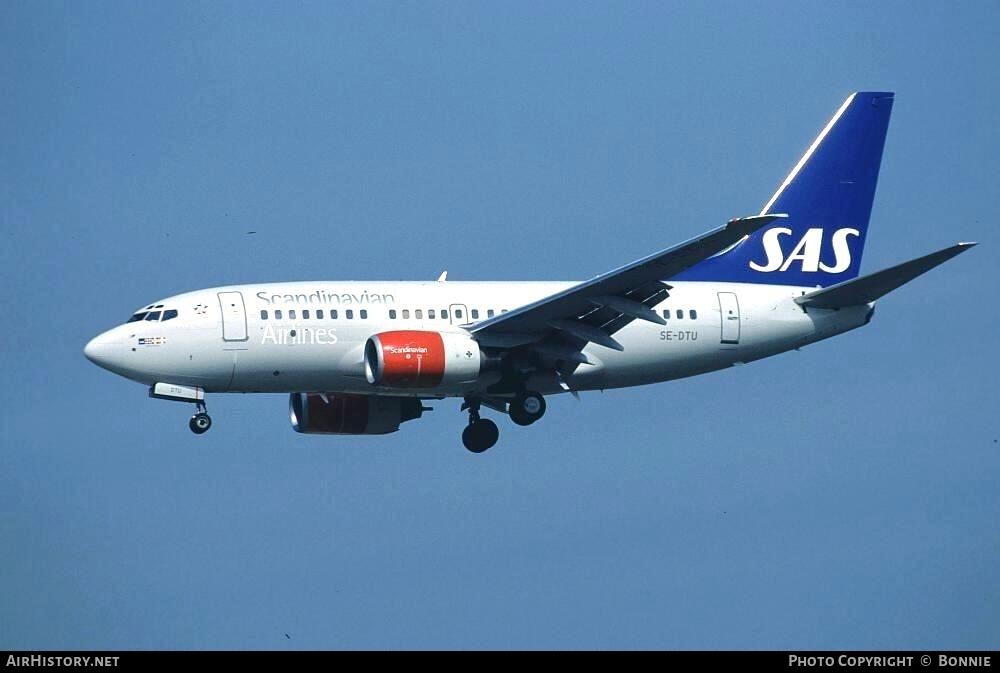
x,y
443,277
748,225
875,285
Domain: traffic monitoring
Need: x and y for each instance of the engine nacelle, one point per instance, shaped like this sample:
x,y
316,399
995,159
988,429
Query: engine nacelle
x,y
419,359
330,414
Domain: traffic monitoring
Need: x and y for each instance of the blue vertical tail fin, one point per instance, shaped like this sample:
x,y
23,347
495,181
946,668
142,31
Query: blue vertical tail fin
x,y
828,199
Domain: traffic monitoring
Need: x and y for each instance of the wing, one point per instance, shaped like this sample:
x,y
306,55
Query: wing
x,y
559,326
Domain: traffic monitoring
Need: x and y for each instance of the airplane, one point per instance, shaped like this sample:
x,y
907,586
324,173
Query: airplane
x,y
361,358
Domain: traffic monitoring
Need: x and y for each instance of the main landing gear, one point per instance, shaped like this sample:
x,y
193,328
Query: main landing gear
x,y
526,408
482,433
201,421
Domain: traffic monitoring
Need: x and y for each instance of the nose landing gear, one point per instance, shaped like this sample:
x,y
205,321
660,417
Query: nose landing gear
x,y
201,421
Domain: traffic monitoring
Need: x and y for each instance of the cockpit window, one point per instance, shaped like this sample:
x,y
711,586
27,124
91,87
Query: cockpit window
x,y
153,316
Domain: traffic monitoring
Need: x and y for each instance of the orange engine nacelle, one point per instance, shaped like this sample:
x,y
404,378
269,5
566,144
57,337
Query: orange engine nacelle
x,y
338,414
418,359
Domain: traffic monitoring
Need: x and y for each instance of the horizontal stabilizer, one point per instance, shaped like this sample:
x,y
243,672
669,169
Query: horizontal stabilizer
x,y
869,288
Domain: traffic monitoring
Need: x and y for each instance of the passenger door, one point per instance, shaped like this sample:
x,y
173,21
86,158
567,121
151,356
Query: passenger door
x,y
234,317
729,311
458,314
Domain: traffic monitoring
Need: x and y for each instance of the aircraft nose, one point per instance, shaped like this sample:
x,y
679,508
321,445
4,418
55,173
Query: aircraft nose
x,y
101,349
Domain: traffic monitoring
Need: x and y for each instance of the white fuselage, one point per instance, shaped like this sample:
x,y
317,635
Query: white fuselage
x,y
310,336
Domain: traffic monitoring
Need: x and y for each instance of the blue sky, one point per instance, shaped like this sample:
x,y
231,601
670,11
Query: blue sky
x,y
844,496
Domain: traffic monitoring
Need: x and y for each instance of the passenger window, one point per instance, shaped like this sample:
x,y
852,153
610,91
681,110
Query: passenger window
x,y
319,314
418,314
305,314
475,314
666,313
406,314
349,314
277,314
333,314
444,314
364,314
458,313
291,314
503,310
430,314
489,313
694,314
153,315
392,314
137,317
263,315
680,314
168,314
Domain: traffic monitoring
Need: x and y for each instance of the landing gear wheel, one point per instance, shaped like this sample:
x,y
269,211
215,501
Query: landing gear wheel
x,y
200,423
527,408
480,435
